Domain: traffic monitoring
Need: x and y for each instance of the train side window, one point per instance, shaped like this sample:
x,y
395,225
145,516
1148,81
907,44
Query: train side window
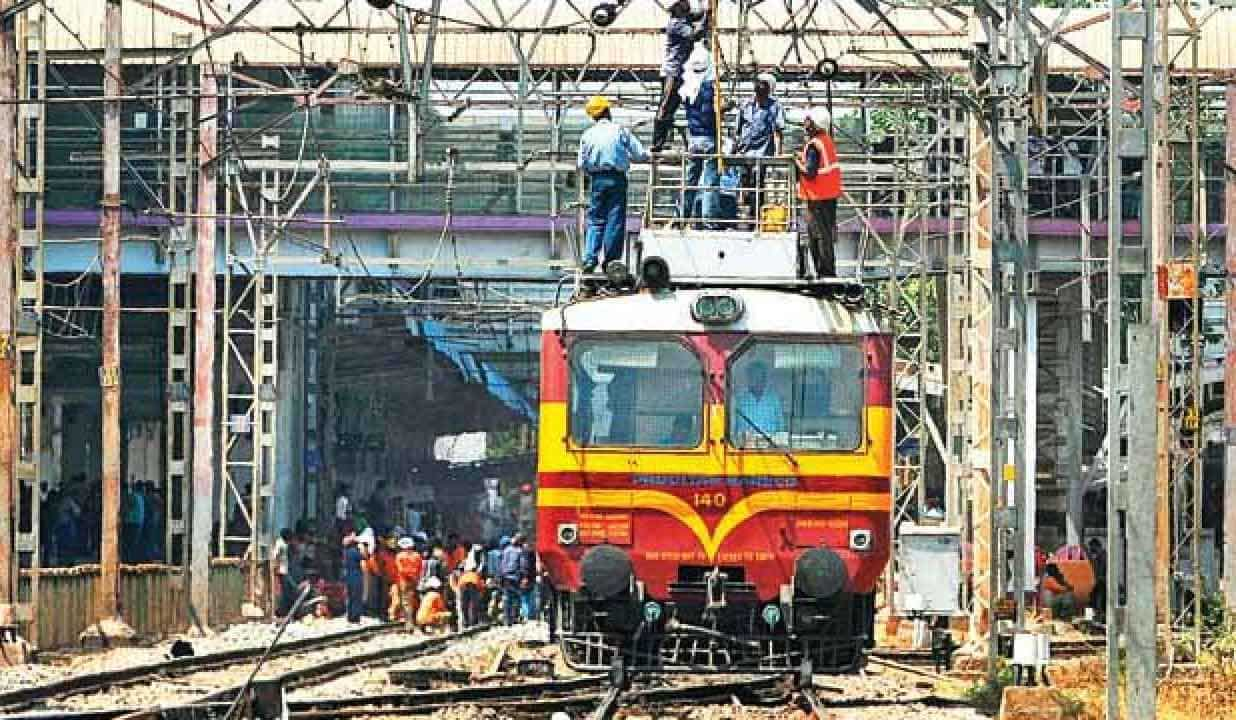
x,y
636,393
796,396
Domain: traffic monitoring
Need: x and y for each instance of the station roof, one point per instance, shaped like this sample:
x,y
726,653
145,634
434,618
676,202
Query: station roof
x,y
557,34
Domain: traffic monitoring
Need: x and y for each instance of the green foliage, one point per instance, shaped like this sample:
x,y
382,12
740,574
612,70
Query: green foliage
x,y
1071,705
987,695
1218,633
502,444
891,122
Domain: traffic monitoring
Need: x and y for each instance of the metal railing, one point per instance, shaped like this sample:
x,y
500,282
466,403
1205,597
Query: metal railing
x,y
721,192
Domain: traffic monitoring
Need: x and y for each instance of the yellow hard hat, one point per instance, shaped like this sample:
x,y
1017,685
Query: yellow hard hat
x,y
597,104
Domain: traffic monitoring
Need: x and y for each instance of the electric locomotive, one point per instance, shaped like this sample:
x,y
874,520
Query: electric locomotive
x,y
715,456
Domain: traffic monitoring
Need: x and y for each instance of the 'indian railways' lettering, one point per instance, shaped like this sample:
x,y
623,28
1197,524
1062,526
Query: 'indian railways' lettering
x,y
694,481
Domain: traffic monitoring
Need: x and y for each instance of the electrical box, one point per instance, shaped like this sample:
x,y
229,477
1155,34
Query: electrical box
x,y
928,570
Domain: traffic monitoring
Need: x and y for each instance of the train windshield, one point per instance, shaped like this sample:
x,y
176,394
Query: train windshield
x,y
636,393
796,396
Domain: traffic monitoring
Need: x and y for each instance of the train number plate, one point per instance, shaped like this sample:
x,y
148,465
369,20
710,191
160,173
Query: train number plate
x,y
612,528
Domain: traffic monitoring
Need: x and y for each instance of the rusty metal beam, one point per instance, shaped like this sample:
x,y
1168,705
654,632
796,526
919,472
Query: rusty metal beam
x,y
108,608
8,244
204,351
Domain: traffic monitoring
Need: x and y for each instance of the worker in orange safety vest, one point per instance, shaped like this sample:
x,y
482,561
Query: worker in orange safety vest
x,y
819,186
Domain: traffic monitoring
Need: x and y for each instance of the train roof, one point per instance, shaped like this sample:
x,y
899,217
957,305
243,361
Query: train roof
x,y
764,311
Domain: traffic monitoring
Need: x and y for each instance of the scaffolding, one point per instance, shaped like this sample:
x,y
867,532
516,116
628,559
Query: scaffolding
x,y
1182,197
178,141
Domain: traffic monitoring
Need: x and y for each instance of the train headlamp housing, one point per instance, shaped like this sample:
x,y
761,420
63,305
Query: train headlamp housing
x,y
652,612
717,309
771,615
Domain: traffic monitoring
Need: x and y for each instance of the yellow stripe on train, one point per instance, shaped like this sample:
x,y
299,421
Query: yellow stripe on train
x,y
714,458
740,512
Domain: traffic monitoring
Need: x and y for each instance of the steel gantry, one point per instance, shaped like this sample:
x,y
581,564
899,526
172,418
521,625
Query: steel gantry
x,y
249,371
923,232
177,139
1181,197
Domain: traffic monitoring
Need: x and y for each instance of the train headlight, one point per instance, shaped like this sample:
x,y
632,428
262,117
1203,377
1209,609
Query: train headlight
x,y
860,540
771,615
568,534
652,612
717,309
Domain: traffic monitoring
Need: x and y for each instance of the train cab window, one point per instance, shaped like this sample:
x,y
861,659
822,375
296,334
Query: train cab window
x,y
636,393
796,396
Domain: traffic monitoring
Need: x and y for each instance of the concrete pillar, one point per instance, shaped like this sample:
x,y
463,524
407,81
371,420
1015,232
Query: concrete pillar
x,y
108,608
981,358
203,482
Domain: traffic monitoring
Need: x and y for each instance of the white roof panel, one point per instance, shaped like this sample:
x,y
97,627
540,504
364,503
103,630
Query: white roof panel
x,y
472,33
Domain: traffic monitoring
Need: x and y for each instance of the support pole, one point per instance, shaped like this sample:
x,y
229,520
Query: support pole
x,y
415,161
1139,628
1229,367
204,351
1159,205
8,245
108,611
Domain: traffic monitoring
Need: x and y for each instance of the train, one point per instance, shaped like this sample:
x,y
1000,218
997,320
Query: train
x,y
714,467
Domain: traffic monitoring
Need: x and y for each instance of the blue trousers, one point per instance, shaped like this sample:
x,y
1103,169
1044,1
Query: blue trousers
x,y
511,601
356,599
528,602
607,218
702,173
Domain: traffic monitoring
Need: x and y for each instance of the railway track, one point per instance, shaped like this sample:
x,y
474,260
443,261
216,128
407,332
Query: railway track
x,y
22,698
209,681
341,677
585,697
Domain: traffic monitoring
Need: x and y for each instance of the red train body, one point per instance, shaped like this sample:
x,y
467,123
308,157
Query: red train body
x,y
714,478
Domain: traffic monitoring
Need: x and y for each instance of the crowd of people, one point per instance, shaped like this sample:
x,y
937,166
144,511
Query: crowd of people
x,y
399,575
72,516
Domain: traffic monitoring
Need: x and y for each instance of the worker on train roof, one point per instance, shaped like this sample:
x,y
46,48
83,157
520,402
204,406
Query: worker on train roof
x,y
606,151
819,186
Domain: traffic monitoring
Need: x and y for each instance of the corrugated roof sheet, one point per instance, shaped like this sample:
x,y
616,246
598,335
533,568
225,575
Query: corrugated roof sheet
x,y
276,31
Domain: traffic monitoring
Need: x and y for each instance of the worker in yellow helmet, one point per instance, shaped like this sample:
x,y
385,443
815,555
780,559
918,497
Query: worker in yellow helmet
x,y
606,151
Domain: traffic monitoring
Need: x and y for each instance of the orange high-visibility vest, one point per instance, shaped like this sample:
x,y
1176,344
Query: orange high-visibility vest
x,y
826,185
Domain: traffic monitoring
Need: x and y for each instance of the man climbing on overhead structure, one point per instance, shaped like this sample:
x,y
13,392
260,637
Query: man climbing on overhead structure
x,y
819,186
606,151
687,25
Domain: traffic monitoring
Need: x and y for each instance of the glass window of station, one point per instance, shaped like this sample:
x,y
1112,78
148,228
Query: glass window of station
x,y
636,393
796,396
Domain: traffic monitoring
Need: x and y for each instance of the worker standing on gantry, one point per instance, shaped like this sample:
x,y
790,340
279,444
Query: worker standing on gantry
x,y
819,186
688,24
700,196
606,151
759,133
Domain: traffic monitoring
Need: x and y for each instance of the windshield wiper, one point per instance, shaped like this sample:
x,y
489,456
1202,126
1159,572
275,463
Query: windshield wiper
x,y
767,438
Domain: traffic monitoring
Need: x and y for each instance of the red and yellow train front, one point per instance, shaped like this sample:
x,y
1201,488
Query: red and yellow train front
x,y
709,468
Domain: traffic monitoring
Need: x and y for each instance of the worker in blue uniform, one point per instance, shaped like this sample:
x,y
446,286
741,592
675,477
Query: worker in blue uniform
x,y
606,152
687,25
698,94
353,578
